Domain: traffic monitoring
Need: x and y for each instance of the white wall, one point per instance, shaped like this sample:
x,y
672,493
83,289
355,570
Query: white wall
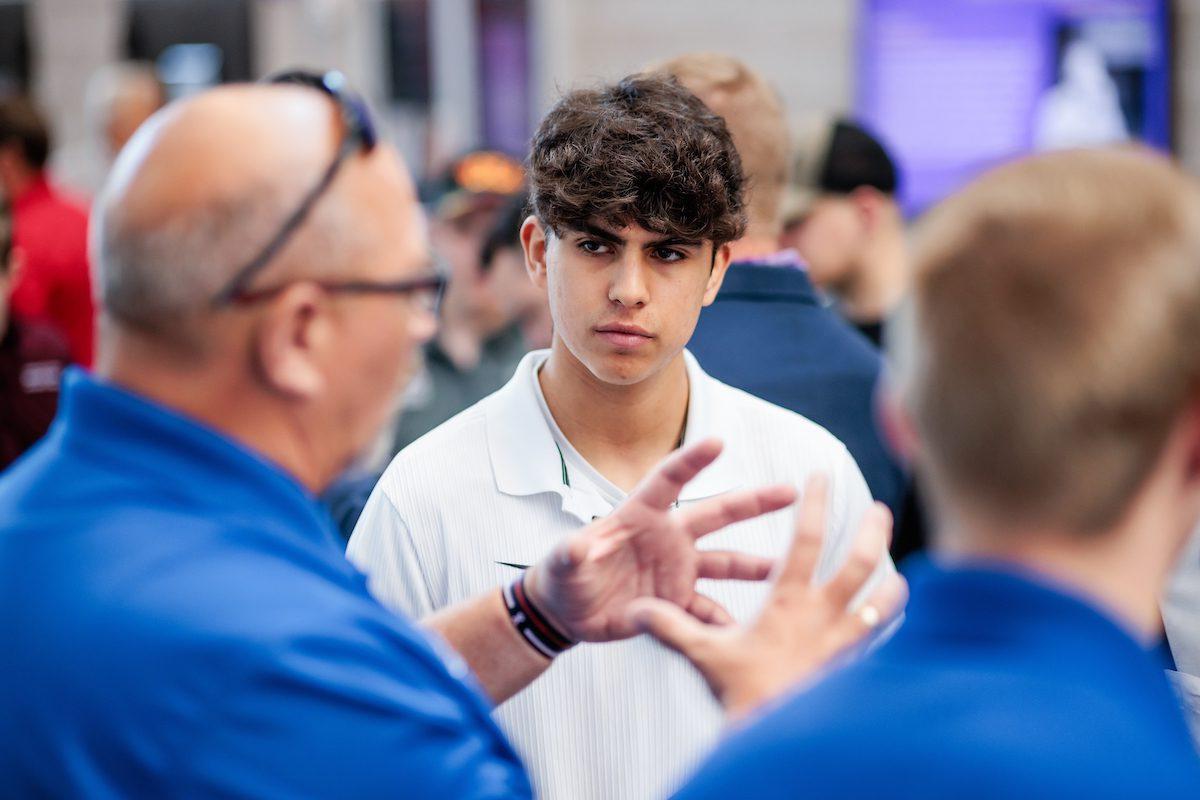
x,y
70,40
805,47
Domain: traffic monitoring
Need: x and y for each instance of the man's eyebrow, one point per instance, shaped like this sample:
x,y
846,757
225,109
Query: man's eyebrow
x,y
674,241
600,233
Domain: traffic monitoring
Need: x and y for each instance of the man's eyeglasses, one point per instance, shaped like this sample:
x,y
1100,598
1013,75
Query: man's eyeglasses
x,y
425,291
360,136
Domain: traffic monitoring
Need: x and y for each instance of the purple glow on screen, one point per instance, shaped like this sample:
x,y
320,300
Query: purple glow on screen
x,y
953,86
504,63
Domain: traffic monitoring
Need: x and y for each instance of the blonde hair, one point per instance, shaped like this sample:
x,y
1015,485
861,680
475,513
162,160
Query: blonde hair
x,y
754,115
1053,337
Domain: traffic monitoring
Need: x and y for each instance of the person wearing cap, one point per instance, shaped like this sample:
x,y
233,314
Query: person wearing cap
x,y
32,359
441,389
842,216
177,617
637,193
477,346
768,332
522,302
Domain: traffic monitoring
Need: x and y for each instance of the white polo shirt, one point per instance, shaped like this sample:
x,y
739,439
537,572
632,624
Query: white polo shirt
x,y
489,489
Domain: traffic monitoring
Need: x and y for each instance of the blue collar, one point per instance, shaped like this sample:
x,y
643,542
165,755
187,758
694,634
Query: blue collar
x,y
751,280
194,465
1017,614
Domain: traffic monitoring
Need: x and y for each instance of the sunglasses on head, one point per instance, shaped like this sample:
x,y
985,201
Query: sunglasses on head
x,y
359,136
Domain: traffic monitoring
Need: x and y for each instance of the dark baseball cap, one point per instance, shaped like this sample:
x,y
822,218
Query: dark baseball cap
x,y
837,156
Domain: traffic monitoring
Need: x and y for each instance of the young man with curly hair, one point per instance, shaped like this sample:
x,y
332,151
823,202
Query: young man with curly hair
x,y
637,192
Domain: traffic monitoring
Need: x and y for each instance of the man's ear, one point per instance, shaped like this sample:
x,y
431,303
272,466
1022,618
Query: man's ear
x,y
896,424
533,242
292,342
720,265
869,202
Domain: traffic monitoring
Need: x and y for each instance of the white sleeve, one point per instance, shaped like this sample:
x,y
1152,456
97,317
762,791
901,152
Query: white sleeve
x,y
850,500
382,547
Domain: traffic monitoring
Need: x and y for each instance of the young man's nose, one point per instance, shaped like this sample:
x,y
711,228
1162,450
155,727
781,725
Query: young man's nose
x,y
628,286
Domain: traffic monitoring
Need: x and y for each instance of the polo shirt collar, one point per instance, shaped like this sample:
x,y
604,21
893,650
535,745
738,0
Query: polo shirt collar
x,y
1005,608
525,458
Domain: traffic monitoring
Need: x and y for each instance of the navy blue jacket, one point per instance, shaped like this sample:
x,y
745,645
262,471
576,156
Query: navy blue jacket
x,y
768,334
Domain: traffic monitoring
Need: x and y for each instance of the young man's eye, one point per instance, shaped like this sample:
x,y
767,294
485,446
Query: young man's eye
x,y
593,247
669,254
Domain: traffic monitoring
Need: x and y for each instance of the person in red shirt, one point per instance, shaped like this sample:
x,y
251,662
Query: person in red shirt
x,y
32,358
49,229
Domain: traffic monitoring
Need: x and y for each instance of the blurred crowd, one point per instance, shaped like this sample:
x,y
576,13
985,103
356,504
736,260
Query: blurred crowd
x,y
477,375
838,213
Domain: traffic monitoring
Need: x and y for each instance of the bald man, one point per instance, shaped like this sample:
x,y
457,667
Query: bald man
x,y
176,616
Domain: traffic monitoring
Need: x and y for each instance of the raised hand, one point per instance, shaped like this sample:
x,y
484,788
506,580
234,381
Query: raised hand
x,y
803,627
647,549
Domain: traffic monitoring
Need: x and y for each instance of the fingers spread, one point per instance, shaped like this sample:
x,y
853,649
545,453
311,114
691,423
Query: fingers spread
x,y
868,551
801,560
571,552
731,565
709,611
662,487
712,515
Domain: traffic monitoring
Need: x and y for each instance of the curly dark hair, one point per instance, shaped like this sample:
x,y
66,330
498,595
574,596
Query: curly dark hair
x,y
644,150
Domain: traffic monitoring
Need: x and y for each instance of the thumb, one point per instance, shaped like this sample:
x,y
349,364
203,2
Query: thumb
x,y
569,554
671,625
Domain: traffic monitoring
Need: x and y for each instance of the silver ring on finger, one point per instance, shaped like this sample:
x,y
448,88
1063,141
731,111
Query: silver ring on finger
x,y
869,616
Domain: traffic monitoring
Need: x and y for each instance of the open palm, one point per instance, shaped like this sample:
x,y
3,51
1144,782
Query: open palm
x,y
647,548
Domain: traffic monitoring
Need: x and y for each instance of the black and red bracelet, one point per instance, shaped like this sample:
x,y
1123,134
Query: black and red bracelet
x,y
531,624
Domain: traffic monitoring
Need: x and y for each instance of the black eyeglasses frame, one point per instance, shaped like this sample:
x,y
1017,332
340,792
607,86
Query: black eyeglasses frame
x,y
434,284
359,135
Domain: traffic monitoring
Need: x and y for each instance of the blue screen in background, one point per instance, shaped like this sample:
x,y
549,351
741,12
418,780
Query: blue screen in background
x,y
955,86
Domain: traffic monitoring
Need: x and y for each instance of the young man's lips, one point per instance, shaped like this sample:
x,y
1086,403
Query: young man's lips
x,y
624,336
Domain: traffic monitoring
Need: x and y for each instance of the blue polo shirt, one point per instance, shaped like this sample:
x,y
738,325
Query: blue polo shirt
x,y
768,334
997,686
176,618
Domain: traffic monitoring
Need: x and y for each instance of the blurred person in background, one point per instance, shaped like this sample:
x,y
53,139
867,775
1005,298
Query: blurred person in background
x,y
767,332
120,97
49,229
842,216
637,193
522,302
1047,374
477,347
524,317
177,617
32,358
